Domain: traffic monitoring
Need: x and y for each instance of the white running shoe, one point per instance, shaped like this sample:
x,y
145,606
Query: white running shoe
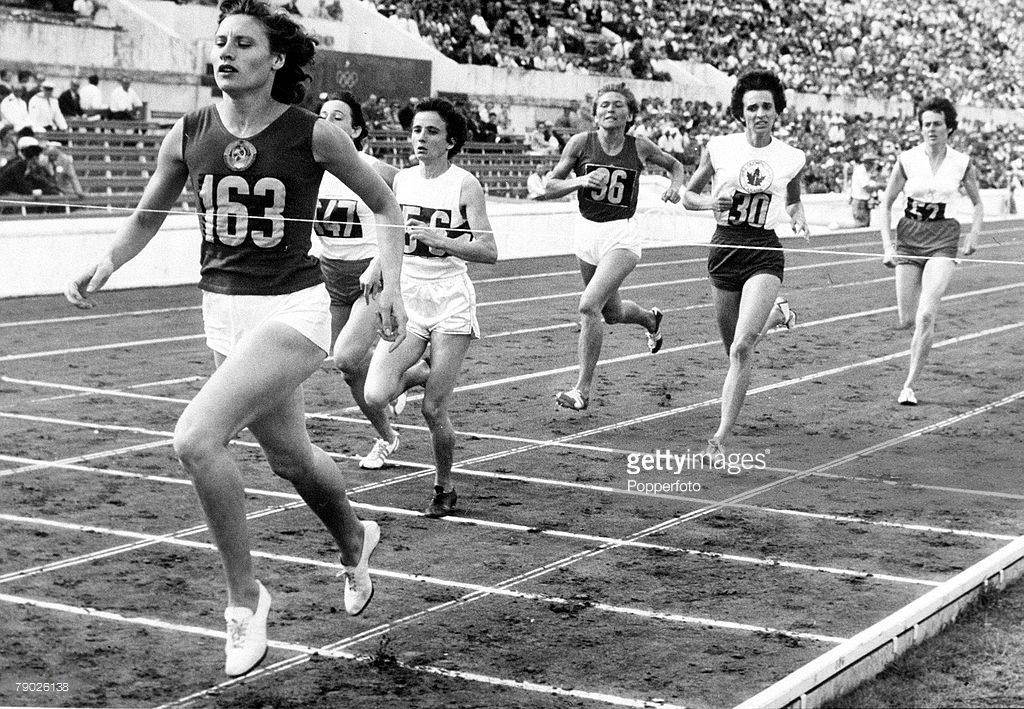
x,y
377,458
397,406
358,584
906,397
788,315
654,338
246,644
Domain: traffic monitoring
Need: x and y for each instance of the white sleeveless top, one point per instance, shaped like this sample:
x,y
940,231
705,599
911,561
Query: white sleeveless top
x,y
940,187
346,226
436,202
756,177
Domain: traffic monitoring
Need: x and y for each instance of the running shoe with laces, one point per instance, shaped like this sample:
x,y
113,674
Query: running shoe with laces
x,y
246,644
654,338
358,584
787,314
572,399
442,503
377,458
397,404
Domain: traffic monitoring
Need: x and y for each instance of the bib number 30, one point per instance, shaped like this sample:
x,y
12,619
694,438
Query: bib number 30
x,y
749,209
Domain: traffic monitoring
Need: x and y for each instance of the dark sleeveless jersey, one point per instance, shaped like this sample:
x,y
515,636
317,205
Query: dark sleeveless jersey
x,y
257,199
617,198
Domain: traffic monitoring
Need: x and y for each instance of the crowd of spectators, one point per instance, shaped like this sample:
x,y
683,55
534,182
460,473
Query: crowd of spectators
x,y
33,165
84,12
967,50
834,142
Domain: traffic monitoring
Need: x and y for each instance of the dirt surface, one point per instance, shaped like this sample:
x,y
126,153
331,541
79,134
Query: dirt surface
x,y
560,583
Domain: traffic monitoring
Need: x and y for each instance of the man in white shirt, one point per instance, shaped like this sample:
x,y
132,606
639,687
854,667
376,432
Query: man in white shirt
x,y
13,111
44,111
536,183
125,104
91,98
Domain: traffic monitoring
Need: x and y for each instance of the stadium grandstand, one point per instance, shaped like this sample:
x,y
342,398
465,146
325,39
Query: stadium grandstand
x,y
524,72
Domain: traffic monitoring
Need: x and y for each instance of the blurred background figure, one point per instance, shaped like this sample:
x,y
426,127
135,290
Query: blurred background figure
x,y
91,99
61,169
864,189
44,110
125,104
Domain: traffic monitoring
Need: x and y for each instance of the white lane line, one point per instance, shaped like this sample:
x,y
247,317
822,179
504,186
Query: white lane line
x,y
699,306
414,578
142,385
710,343
81,390
321,417
659,284
99,316
82,458
99,348
183,338
921,486
479,281
655,529
574,536
426,470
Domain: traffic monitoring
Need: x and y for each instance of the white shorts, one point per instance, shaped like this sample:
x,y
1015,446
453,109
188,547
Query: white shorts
x,y
229,318
446,305
592,241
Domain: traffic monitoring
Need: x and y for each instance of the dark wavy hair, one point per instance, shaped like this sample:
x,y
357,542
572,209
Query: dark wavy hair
x,y
939,105
454,121
286,37
358,119
757,80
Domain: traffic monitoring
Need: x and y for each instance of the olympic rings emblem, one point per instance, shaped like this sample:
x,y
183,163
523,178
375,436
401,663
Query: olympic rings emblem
x,y
347,79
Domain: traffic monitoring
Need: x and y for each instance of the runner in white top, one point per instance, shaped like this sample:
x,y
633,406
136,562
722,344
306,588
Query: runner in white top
x,y
447,225
351,270
927,238
755,181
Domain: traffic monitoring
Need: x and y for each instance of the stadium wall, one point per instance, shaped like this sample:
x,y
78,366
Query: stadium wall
x,y
41,255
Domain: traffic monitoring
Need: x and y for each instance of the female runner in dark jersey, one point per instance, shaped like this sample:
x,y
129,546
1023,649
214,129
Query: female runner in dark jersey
x,y
255,163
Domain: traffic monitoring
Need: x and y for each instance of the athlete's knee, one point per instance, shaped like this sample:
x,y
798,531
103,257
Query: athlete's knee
x,y
742,348
349,361
290,463
375,392
196,446
435,412
590,308
926,317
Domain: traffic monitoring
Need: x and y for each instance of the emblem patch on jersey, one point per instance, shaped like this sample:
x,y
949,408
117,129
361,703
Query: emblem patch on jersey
x,y
239,155
756,176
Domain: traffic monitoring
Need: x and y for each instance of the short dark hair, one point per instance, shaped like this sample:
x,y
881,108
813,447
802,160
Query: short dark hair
x,y
620,88
454,121
286,37
941,105
358,119
757,80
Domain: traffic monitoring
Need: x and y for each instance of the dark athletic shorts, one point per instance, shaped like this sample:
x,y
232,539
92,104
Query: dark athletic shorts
x,y
916,241
342,279
729,268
